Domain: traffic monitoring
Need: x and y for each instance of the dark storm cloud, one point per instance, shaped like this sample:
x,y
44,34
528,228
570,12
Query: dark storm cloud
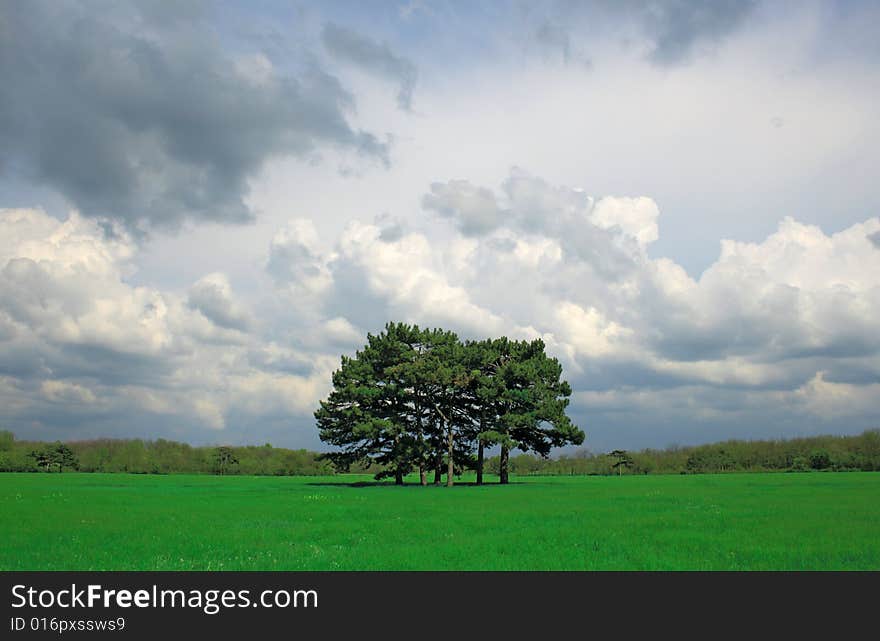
x,y
373,57
21,359
148,119
109,366
33,360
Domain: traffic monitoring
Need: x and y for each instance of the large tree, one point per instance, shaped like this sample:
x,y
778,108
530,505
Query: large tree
x,y
478,398
426,379
443,377
371,412
416,398
526,400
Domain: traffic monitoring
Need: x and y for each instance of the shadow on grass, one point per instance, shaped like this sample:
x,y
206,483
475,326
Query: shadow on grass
x,y
359,484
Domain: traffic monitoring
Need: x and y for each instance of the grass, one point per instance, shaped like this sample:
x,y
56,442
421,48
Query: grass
x,y
709,522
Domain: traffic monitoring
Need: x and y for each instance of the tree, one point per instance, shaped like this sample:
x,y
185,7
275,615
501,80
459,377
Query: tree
x,y
426,377
623,460
370,412
64,457
55,456
820,459
43,458
416,397
480,360
224,458
526,400
443,379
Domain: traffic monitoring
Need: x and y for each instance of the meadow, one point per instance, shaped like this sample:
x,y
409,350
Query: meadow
x,y
809,521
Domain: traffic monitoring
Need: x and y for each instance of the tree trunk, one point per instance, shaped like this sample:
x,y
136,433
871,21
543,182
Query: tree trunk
x,y
505,457
423,473
438,468
450,469
398,476
480,463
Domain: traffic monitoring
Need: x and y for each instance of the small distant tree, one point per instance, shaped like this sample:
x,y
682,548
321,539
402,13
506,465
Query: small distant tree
x,y
622,460
820,460
64,457
56,456
224,459
43,458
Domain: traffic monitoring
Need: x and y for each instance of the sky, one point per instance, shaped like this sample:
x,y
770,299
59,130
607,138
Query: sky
x,y
203,205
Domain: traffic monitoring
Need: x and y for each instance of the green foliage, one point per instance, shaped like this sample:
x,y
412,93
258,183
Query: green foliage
x,y
413,398
839,453
820,460
845,453
54,457
224,459
65,457
622,461
7,440
135,456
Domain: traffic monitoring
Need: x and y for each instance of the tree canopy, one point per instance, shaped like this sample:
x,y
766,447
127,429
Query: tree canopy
x,y
55,456
421,399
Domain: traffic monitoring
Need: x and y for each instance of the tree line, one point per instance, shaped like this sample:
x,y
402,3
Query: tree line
x,y
422,400
816,453
160,456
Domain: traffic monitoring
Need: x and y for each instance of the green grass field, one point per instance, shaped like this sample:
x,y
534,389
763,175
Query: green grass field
x,y
712,522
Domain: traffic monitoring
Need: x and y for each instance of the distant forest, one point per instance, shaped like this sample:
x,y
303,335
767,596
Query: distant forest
x,y
136,456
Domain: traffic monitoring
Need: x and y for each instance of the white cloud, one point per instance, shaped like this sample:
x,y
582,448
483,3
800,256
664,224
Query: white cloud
x,y
212,296
788,320
205,329
830,400
575,269
77,335
636,217
64,392
295,258
340,330
588,332
408,275
64,282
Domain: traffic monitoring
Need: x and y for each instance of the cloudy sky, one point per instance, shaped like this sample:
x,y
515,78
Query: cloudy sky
x,y
205,204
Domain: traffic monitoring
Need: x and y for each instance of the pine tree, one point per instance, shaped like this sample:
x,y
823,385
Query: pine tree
x,y
527,400
370,413
420,397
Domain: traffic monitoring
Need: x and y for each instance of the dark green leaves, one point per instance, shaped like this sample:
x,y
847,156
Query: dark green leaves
x,y
413,396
